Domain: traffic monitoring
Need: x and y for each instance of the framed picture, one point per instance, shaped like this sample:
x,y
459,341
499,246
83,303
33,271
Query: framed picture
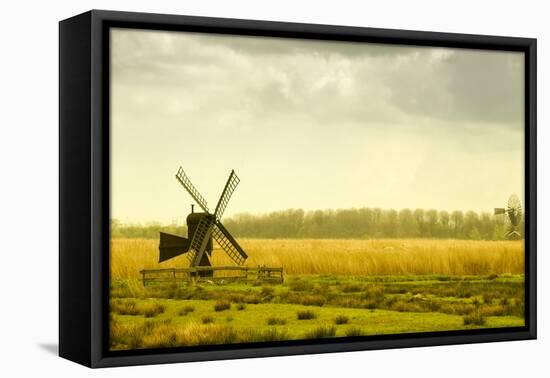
x,y
234,188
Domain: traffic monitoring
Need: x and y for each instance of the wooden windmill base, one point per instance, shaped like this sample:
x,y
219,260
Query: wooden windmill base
x,y
217,274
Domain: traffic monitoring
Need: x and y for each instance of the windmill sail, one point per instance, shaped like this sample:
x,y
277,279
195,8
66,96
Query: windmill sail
x,y
228,243
171,246
228,190
200,240
186,183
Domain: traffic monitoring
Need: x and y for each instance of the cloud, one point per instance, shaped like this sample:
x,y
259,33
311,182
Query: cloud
x,y
326,81
382,125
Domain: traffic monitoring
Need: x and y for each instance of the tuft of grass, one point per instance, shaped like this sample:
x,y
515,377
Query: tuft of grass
x,y
300,285
207,319
353,332
271,334
241,306
312,300
351,288
153,310
124,307
186,310
321,332
252,298
148,310
474,318
305,315
267,291
275,321
341,319
222,306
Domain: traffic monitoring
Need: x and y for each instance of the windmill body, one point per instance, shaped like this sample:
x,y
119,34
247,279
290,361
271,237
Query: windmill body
x,y
202,229
514,212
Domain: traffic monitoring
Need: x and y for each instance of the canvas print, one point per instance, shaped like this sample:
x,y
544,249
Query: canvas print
x,y
266,189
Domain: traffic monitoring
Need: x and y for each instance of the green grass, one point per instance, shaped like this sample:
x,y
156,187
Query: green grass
x,y
361,321
310,307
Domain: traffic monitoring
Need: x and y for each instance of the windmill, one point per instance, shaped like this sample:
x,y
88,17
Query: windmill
x,y
513,210
202,227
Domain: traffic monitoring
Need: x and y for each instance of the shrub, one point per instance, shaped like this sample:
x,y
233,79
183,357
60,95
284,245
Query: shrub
x,y
475,318
125,307
300,285
188,308
305,315
341,319
275,321
369,304
321,332
348,301
271,334
321,289
222,306
253,298
211,334
494,310
375,293
312,300
207,319
267,291
351,288
351,332
153,310
406,307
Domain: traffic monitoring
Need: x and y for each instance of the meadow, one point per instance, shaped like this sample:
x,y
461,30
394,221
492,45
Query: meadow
x,y
332,288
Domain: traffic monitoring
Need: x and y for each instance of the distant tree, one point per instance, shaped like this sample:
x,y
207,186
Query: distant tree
x,y
408,227
431,223
389,224
457,219
420,221
444,221
471,225
343,223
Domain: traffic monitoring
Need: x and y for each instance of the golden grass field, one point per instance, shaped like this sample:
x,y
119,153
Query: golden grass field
x,y
343,256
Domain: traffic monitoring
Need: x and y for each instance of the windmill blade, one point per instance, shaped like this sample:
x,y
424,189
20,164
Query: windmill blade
x,y
228,190
228,243
186,183
200,240
171,246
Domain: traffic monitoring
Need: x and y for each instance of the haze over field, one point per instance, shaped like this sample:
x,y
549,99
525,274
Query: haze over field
x,y
311,124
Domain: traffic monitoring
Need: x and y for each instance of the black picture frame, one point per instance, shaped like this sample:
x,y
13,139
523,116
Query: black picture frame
x,y
84,186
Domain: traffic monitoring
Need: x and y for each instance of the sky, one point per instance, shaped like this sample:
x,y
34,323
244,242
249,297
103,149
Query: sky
x,y
310,124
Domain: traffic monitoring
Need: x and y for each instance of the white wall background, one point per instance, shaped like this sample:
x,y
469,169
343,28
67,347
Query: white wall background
x,y
29,188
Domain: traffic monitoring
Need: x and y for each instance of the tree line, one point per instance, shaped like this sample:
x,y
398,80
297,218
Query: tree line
x,y
347,223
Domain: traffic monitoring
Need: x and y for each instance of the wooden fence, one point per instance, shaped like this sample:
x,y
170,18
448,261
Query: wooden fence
x,y
212,273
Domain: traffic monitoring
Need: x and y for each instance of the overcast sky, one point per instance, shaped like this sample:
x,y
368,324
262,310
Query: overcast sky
x,y
310,124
